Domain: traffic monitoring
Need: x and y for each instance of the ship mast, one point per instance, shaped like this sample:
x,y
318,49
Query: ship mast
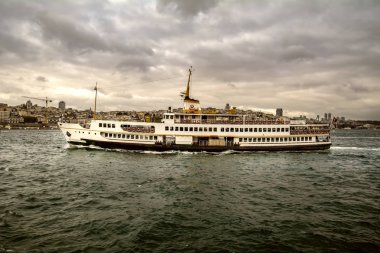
x,y
187,94
96,95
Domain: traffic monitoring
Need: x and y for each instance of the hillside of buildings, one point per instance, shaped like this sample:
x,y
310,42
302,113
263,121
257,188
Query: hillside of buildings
x,y
29,116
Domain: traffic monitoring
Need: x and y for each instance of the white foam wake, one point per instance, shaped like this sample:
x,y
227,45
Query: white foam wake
x,y
355,148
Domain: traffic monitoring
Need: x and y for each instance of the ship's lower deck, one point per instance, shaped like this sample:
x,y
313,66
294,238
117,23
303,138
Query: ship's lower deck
x,y
207,148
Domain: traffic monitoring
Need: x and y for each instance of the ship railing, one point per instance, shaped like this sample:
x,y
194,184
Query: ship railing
x,y
233,122
310,131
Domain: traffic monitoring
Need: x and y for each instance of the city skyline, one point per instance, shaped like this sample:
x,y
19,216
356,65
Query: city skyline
x,y
305,57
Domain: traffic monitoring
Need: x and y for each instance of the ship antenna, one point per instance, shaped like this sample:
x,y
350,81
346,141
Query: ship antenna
x,y
187,94
96,95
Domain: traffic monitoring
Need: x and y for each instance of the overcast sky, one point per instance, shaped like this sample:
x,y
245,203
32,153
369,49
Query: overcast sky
x,y
308,57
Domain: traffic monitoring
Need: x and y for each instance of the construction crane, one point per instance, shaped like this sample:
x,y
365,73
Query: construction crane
x,y
47,101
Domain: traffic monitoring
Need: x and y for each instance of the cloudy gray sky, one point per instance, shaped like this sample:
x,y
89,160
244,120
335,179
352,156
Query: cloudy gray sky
x,y
308,57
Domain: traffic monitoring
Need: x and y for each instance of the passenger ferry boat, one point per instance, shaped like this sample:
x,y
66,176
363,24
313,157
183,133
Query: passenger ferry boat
x,y
192,130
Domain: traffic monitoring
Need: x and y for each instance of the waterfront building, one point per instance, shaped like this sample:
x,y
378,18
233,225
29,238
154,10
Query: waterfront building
x,y
5,115
28,105
279,112
62,105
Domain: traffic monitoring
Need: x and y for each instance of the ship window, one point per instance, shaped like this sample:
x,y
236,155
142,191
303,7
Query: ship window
x,y
241,129
250,140
263,139
272,139
215,129
100,124
150,137
282,129
264,129
276,139
195,129
155,138
240,139
119,136
210,129
109,125
200,129
186,129
269,129
222,129
171,116
141,137
227,129
190,129
146,137
285,139
286,129
310,139
181,129
260,130
254,139
298,138
302,139
255,129
123,136
236,129
166,128
232,129
278,129
132,137
106,134
273,129
245,139
171,128
246,130
128,136
113,125
176,128
251,129
281,139
205,129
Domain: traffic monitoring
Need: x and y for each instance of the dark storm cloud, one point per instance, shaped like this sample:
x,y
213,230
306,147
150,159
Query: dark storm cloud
x,y
41,79
184,7
66,31
301,55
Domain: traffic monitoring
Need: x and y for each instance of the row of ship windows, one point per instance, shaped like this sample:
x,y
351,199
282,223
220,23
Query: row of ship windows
x,y
106,125
275,139
227,129
82,132
130,136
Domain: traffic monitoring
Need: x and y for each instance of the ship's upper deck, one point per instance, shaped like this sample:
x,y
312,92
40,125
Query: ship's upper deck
x,y
234,119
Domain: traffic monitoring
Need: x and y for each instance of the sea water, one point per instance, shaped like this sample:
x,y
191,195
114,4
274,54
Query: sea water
x,y
57,198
